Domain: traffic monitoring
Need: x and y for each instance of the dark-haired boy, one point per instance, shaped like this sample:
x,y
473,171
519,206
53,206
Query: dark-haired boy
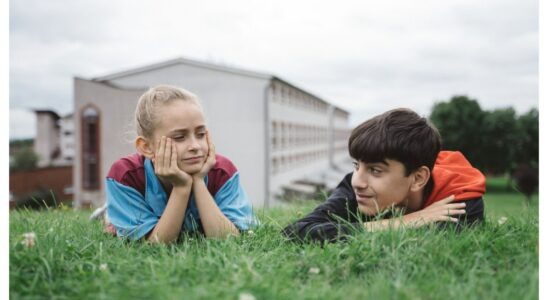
x,y
398,166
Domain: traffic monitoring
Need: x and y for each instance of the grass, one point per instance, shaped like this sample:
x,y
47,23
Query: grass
x,y
73,259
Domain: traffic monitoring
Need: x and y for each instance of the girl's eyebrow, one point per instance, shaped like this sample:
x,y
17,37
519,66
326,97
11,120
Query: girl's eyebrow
x,y
182,130
185,130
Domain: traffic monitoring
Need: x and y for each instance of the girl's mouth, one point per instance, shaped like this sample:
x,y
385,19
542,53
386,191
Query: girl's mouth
x,y
193,160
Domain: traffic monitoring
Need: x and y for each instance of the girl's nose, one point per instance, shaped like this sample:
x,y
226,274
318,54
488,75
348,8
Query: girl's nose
x,y
194,145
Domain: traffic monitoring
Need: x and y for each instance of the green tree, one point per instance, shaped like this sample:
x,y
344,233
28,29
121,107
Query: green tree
x,y
500,137
25,159
460,122
527,148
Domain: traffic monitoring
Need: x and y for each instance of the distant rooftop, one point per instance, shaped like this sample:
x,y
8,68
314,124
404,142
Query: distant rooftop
x,y
185,61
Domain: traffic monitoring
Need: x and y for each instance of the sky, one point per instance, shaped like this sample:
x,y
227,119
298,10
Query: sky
x,y
363,56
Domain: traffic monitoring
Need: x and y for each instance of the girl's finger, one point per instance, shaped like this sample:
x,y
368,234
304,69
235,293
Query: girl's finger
x,y
168,153
173,156
160,153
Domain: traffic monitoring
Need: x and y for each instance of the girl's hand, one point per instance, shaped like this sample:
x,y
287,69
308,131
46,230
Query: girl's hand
x,y
165,164
210,160
441,211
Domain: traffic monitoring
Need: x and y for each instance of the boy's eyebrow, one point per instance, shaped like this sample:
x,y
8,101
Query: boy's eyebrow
x,y
384,162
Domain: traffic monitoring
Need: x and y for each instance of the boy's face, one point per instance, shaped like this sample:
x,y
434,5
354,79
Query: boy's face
x,y
184,123
380,185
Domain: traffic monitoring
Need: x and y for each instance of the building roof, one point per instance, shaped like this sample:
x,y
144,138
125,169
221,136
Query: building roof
x,y
184,61
48,112
106,79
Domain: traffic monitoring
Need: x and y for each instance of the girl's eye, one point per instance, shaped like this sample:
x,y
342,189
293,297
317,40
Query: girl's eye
x,y
179,137
201,135
356,166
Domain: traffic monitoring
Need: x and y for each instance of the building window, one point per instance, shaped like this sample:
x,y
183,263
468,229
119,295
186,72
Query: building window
x,y
90,148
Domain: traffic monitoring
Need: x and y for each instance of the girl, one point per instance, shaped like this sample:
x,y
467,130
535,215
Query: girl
x,y
176,182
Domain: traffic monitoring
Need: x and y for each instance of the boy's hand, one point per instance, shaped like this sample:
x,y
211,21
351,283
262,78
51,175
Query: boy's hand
x,y
441,211
210,160
165,164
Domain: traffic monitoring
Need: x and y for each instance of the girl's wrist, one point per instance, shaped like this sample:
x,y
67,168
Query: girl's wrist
x,y
184,185
197,180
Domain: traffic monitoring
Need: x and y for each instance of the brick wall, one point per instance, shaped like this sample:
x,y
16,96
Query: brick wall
x,y
57,179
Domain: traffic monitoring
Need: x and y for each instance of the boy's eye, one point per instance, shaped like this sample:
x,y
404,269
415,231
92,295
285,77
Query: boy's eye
x,y
375,171
201,134
179,137
356,165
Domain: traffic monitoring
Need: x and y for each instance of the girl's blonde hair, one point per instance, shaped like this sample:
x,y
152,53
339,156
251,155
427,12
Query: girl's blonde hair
x,y
145,113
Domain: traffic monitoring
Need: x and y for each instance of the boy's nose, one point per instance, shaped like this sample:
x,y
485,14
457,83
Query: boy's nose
x,y
359,181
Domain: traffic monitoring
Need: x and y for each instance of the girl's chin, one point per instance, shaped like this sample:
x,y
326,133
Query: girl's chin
x,y
192,170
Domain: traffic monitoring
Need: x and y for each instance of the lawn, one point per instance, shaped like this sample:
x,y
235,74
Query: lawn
x,y
73,259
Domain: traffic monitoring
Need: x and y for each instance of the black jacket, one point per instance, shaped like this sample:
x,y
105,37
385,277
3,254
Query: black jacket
x,y
339,216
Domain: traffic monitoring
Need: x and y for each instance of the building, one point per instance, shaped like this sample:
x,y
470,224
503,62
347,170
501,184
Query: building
x,y
54,143
276,133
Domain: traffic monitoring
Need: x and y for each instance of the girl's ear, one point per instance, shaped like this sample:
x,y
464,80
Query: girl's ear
x,y
420,178
144,147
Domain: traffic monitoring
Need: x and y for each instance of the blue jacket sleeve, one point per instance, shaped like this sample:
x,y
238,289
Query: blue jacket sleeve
x,y
234,204
127,210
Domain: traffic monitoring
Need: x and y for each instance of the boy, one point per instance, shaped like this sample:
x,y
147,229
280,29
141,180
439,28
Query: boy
x,y
398,166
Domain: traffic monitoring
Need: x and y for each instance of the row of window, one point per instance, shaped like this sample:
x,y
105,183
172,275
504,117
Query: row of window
x,y
292,161
292,97
286,135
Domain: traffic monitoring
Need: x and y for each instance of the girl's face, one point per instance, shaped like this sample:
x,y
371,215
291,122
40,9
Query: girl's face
x,y
184,123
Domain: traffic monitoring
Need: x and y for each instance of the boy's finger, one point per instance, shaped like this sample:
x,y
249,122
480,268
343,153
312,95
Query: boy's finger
x,y
452,212
446,200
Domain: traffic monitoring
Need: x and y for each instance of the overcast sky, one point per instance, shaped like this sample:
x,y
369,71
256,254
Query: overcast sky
x,y
364,56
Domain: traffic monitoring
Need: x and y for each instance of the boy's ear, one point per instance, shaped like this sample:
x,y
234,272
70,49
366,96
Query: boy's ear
x,y
144,147
420,178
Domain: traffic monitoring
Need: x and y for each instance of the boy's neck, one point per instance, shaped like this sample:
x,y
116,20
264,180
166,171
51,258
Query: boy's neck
x,y
418,199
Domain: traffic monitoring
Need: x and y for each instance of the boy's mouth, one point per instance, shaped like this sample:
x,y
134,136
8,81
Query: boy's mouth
x,y
364,199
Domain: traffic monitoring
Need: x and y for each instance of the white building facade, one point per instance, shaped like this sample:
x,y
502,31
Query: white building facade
x,y
54,142
273,131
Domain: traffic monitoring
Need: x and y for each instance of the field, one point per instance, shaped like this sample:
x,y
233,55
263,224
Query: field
x,y
73,259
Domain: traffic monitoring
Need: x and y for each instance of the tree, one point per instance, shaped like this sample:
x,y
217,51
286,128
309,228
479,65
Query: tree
x,y
25,159
527,147
460,122
500,137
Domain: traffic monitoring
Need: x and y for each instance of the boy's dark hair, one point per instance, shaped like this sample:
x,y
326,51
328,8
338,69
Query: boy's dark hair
x,y
399,134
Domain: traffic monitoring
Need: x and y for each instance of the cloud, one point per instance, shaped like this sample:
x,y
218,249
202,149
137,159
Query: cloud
x,y
365,56
22,123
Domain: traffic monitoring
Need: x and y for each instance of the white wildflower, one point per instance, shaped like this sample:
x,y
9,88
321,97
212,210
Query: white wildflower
x,y
30,239
250,233
246,296
503,220
314,270
103,267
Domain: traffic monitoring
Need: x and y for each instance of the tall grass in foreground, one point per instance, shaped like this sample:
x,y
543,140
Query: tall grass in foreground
x,y
73,259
